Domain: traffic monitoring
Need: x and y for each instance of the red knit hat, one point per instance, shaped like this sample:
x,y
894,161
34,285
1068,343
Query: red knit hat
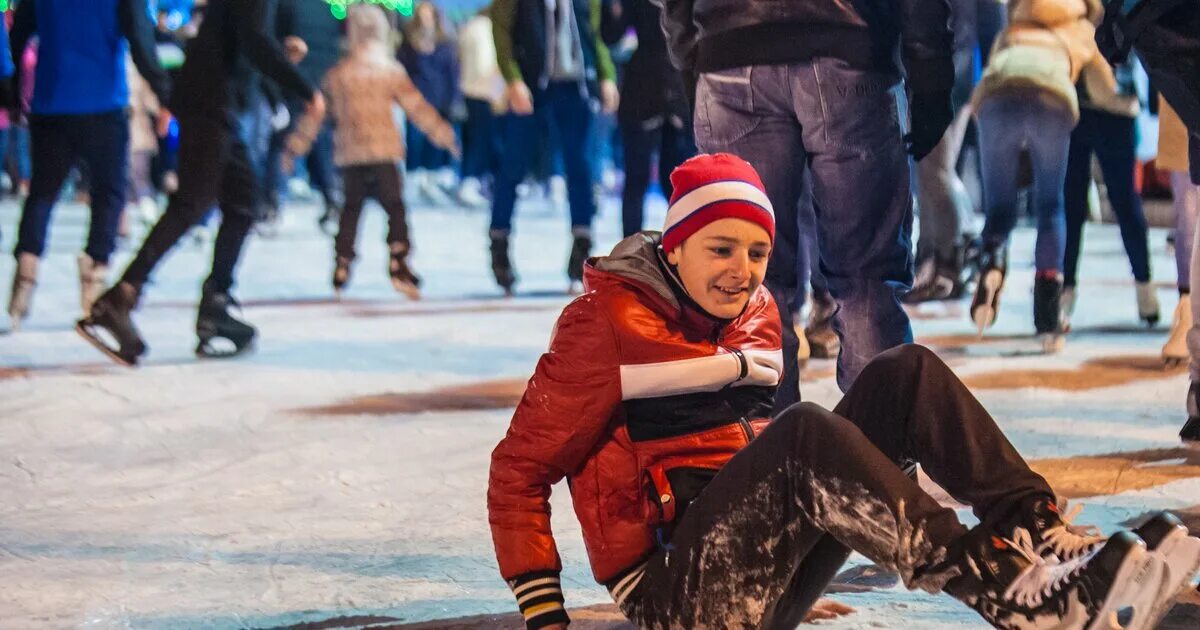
x,y
715,186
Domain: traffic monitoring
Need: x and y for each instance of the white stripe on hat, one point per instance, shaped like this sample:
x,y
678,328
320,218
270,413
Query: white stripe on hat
x,y
708,194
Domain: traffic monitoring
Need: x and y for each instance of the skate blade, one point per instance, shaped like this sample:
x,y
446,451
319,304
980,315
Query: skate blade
x,y
89,334
1173,361
1137,585
983,317
223,348
407,290
1181,555
1052,343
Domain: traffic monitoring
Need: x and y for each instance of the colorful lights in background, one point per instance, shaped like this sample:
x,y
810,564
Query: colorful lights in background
x,y
338,7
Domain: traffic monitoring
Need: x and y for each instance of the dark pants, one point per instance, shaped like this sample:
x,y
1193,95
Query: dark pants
x,y
1012,122
841,124
761,542
641,139
98,142
481,146
422,152
1112,139
567,109
375,181
216,166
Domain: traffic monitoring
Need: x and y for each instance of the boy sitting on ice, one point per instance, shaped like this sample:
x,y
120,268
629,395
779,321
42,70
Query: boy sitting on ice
x,y
699,511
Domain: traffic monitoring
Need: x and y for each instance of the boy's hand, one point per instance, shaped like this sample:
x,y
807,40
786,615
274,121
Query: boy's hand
x,y
520,99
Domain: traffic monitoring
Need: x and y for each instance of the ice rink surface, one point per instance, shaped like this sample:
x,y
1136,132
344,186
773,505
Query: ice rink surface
x,y
341,470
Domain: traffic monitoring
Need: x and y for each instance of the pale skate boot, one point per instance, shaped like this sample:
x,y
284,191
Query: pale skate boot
x,y
92,278
470,193
993,267
1175,350
403,279
1047,311
23,284
147,211
1067,302
1166,534
1011,586
432,193
1052,532
1147,303
557,190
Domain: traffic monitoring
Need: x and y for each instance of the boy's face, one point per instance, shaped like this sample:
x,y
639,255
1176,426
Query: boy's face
x,y
722,264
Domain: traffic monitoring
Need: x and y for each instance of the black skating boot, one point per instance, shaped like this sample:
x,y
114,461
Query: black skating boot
x,y
1190,434
993,266
1047,310
939,277
1051,531
403,279
581,248
1011,586
501,266
823,342
213,322
109,327
341,275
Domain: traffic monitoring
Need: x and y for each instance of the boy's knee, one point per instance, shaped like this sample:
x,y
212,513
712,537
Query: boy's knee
x,y
810,418
905,359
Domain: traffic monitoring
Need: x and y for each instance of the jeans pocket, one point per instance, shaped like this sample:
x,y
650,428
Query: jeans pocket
x,y
725,108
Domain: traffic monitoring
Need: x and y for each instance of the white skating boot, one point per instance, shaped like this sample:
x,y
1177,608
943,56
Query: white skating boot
x,y
432,192
1175,350
470,193
147,212
1147,302
92,277
24,281
1068,307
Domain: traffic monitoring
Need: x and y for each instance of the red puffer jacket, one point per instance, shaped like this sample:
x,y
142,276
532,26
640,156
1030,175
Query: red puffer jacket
x,y
640,399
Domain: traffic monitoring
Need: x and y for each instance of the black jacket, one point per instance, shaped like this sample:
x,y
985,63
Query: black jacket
x,y
236,42
651,86
709,35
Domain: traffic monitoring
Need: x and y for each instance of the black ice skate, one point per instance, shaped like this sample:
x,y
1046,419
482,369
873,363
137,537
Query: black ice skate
x,y
822,339
1051,531
581,248
1167,535
109,327
221,335
939,277
1190,434
501,265
1047,311
23,284
403,279
1012,587
341,275
993,266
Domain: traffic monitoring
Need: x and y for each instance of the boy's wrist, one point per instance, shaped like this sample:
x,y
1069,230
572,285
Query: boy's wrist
x,y
539,596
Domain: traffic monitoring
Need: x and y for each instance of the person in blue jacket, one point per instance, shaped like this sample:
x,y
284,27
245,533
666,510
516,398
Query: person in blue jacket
x,y
78,116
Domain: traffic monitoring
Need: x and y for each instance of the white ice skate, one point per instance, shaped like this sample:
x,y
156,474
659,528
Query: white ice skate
x,y
1168,538
23,284
1175,350
470,193
92,277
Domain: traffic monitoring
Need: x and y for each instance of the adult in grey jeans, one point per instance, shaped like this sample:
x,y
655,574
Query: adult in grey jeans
x,y
800,85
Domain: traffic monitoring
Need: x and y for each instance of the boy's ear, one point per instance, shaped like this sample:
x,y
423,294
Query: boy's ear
x,y
673,255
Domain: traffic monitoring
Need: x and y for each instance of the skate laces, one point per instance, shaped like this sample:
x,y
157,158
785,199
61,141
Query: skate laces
x,y
1068,541
1043,579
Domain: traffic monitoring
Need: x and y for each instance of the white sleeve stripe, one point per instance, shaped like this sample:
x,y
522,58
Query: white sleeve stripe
x,y
546,591
524,587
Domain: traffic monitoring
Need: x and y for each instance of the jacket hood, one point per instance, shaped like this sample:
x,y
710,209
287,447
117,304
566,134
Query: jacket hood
x,y
637,262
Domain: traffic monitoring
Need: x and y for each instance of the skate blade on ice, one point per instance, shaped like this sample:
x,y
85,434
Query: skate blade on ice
x,y
222,348
1138,585
102,341
1052,342
407,289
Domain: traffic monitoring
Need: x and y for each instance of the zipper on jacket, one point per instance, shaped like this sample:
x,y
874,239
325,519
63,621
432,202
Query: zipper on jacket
x,y
747,429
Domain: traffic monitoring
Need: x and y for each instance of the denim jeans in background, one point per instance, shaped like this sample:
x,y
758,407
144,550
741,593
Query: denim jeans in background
x,y
1034,121
1113,140
842,124
569,112
481,145
100,142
